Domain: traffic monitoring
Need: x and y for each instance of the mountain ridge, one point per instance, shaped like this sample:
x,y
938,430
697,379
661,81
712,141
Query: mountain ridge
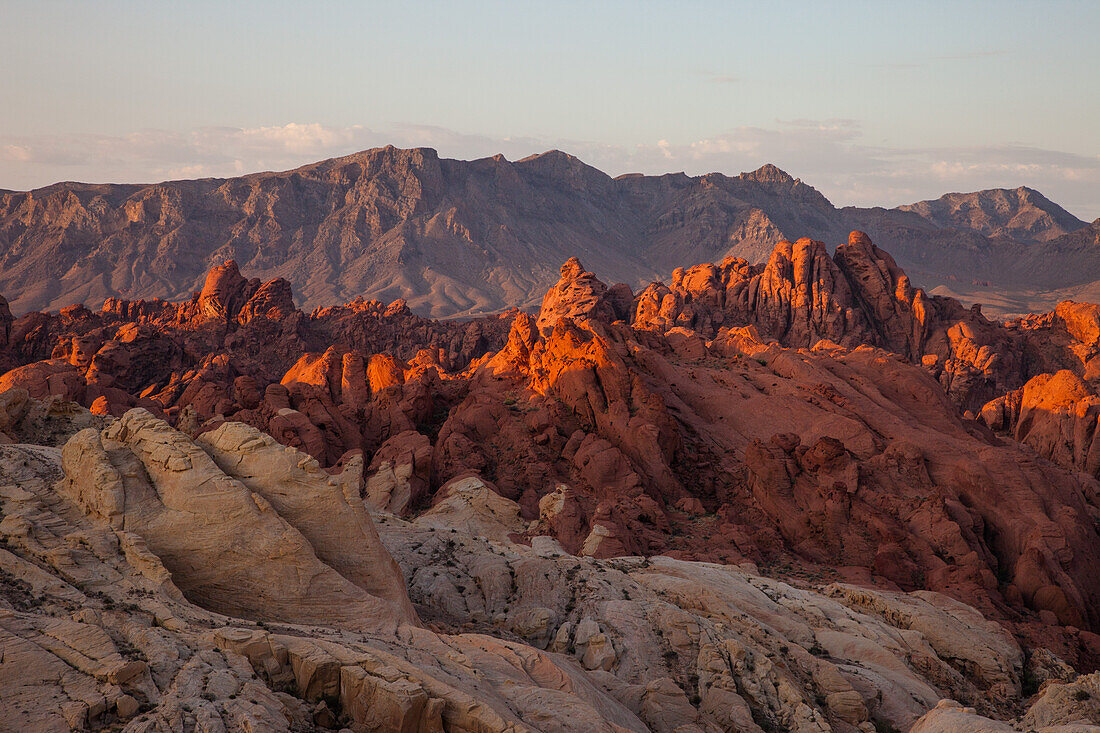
x,y
462,238
1035,216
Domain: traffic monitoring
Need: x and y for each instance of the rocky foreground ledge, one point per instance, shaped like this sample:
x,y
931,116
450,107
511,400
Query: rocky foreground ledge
x,y
154,582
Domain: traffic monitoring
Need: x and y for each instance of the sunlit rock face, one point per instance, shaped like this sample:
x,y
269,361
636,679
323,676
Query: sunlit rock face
x,y
804,495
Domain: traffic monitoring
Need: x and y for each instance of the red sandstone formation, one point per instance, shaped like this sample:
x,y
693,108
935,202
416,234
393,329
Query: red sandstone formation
x,y
808,415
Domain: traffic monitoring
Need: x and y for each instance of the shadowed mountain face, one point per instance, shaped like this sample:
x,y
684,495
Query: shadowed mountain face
x,y
467,237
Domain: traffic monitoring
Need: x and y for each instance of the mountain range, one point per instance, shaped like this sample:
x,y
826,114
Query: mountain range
x,y
463,238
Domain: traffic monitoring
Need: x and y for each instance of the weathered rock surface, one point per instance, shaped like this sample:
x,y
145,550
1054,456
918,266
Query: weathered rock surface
x,y
97,630
754,499
664,427
857,296
329,382
1055,412
219,533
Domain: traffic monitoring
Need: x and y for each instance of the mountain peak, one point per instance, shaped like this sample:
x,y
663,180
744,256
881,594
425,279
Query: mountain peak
x,y
769,173
563,166
553,155
1020,213
392,151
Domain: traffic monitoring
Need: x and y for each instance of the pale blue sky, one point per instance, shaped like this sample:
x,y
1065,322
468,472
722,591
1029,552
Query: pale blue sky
x,y
875,102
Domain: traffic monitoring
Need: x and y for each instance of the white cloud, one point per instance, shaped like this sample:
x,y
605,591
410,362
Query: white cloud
x,y
828,154
18,153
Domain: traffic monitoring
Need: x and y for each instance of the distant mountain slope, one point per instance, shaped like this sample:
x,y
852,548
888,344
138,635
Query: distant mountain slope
x,y
1020,213
466,237
451,237
1062,269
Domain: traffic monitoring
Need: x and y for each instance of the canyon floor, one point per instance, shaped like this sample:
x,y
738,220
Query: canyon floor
x,y
796,496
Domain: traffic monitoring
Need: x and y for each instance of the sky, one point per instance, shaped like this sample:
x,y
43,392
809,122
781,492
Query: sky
x,y
873,103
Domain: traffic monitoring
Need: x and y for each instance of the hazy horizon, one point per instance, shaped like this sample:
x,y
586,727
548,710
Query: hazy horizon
x,y
871,103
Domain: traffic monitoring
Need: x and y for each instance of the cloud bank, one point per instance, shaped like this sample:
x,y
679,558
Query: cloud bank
x,y
830,155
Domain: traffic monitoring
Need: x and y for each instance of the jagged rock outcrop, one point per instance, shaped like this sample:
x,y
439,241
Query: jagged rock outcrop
x,y
399,476
631,459
644,422
225,292
580,296
804,420
1055,411
857,296
51,421
1056,414
327,510
221,354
